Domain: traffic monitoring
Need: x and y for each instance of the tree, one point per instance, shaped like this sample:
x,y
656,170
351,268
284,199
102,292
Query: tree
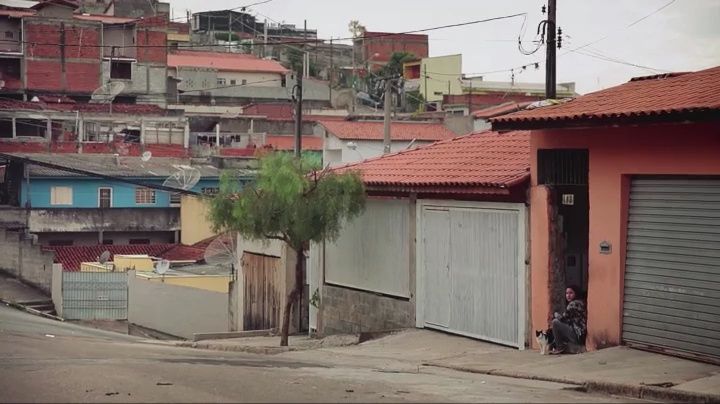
x,y
291,200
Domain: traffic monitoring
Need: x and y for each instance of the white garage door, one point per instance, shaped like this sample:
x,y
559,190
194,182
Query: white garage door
x,y
672,272
471,270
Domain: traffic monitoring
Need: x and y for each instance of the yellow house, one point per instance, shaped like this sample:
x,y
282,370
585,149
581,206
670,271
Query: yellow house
x,y
440,75
121,263
194,223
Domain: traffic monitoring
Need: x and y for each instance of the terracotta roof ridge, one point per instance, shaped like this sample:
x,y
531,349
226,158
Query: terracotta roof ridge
x,y
421,147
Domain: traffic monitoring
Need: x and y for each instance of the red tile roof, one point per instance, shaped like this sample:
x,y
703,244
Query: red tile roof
x,y
181,252
9,105
374,130
71,256
479,163
653,98
16,13
287,142
234,62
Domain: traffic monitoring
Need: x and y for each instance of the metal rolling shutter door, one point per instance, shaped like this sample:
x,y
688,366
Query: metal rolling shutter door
x,y
672,271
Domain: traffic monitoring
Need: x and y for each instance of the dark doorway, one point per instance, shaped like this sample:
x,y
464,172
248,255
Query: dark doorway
x,y
565,173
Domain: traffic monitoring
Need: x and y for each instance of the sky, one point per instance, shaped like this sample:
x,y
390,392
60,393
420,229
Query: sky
x,y
604,44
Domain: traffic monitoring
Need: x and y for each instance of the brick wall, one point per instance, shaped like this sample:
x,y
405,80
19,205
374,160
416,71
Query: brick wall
x,y
157,53
26,261
82,77
346,310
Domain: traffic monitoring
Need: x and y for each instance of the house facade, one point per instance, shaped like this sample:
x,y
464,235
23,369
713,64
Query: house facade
x,y
113,200
441,244
352,141
624,198
53,50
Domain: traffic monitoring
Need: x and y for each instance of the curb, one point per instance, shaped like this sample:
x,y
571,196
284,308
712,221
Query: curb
x,y
621,389
30,310
238,348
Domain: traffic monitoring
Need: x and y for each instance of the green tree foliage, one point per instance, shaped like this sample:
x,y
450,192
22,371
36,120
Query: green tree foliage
x,y
394,67
293,201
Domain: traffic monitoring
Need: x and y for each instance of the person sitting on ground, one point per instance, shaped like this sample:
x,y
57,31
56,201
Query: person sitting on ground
x,y
569,328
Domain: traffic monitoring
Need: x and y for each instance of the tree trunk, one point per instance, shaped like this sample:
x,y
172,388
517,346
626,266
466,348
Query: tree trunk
x,y
293,296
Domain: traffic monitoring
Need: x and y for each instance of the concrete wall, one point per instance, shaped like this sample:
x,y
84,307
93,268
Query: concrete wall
x,y
444,73
176,310
194,223
92,237
146,79
352,311
56,294
616,154
121,219
336,151
25,260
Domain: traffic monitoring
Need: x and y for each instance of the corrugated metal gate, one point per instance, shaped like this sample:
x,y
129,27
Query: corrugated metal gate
x,y
473,261
95,295
672,271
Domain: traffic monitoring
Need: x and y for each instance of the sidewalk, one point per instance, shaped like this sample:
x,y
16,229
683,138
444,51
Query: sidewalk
x,y
14,291
619,370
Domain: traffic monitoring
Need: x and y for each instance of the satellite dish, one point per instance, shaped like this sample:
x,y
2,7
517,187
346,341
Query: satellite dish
x,y
222,250
185,177
146,156
107,92
104,257
35,99
162,266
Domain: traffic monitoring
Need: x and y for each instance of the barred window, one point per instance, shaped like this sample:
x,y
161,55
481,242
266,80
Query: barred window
x,y
144,195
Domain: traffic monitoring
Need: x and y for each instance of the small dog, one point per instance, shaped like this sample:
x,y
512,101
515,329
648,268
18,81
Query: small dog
x,y
545,339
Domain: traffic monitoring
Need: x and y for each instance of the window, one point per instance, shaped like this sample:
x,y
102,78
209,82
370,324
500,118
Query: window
x,y
61,196
139,241
60,242
210,190
30,127
233,82
144,196
244,81
175,198
8,34
105,197
220,82
121,70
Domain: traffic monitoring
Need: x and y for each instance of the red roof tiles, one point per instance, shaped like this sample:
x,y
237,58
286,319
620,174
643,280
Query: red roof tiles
x,y
287,142
374,130
497,110
234,62
10,105
479,163
659,97
71,256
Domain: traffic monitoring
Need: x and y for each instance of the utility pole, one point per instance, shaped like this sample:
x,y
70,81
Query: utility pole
x,y
330,73
425,77
229,30
298,105
352,85
550,72
386,123
265,34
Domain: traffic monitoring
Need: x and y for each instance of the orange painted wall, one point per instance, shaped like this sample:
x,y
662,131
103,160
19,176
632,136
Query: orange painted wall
x,y
615,155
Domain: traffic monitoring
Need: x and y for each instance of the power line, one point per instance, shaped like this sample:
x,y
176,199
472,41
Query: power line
x,y
299,42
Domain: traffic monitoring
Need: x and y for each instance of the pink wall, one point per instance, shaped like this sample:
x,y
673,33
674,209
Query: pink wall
x,y
615,155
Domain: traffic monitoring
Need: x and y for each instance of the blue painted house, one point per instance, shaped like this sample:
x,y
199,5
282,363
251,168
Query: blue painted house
x,y
67,208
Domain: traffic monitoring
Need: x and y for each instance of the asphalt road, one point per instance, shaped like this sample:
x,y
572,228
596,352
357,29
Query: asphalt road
x,y
42,360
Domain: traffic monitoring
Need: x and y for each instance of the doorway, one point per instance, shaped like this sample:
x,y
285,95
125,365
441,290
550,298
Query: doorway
x,y
565,174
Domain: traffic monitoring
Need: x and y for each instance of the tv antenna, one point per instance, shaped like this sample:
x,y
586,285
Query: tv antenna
x,y
106,93
162,266
104,258
222,251
184,178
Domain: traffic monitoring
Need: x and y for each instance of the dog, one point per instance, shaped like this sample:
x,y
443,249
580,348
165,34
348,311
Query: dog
x,y
545,339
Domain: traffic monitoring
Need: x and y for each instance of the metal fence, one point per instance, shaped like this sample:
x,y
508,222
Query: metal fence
x,y
95,295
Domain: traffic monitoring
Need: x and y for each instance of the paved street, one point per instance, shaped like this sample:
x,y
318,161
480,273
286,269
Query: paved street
x,y
48,361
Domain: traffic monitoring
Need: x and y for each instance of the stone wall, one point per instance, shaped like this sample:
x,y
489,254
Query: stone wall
x,y
25,260
345,310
